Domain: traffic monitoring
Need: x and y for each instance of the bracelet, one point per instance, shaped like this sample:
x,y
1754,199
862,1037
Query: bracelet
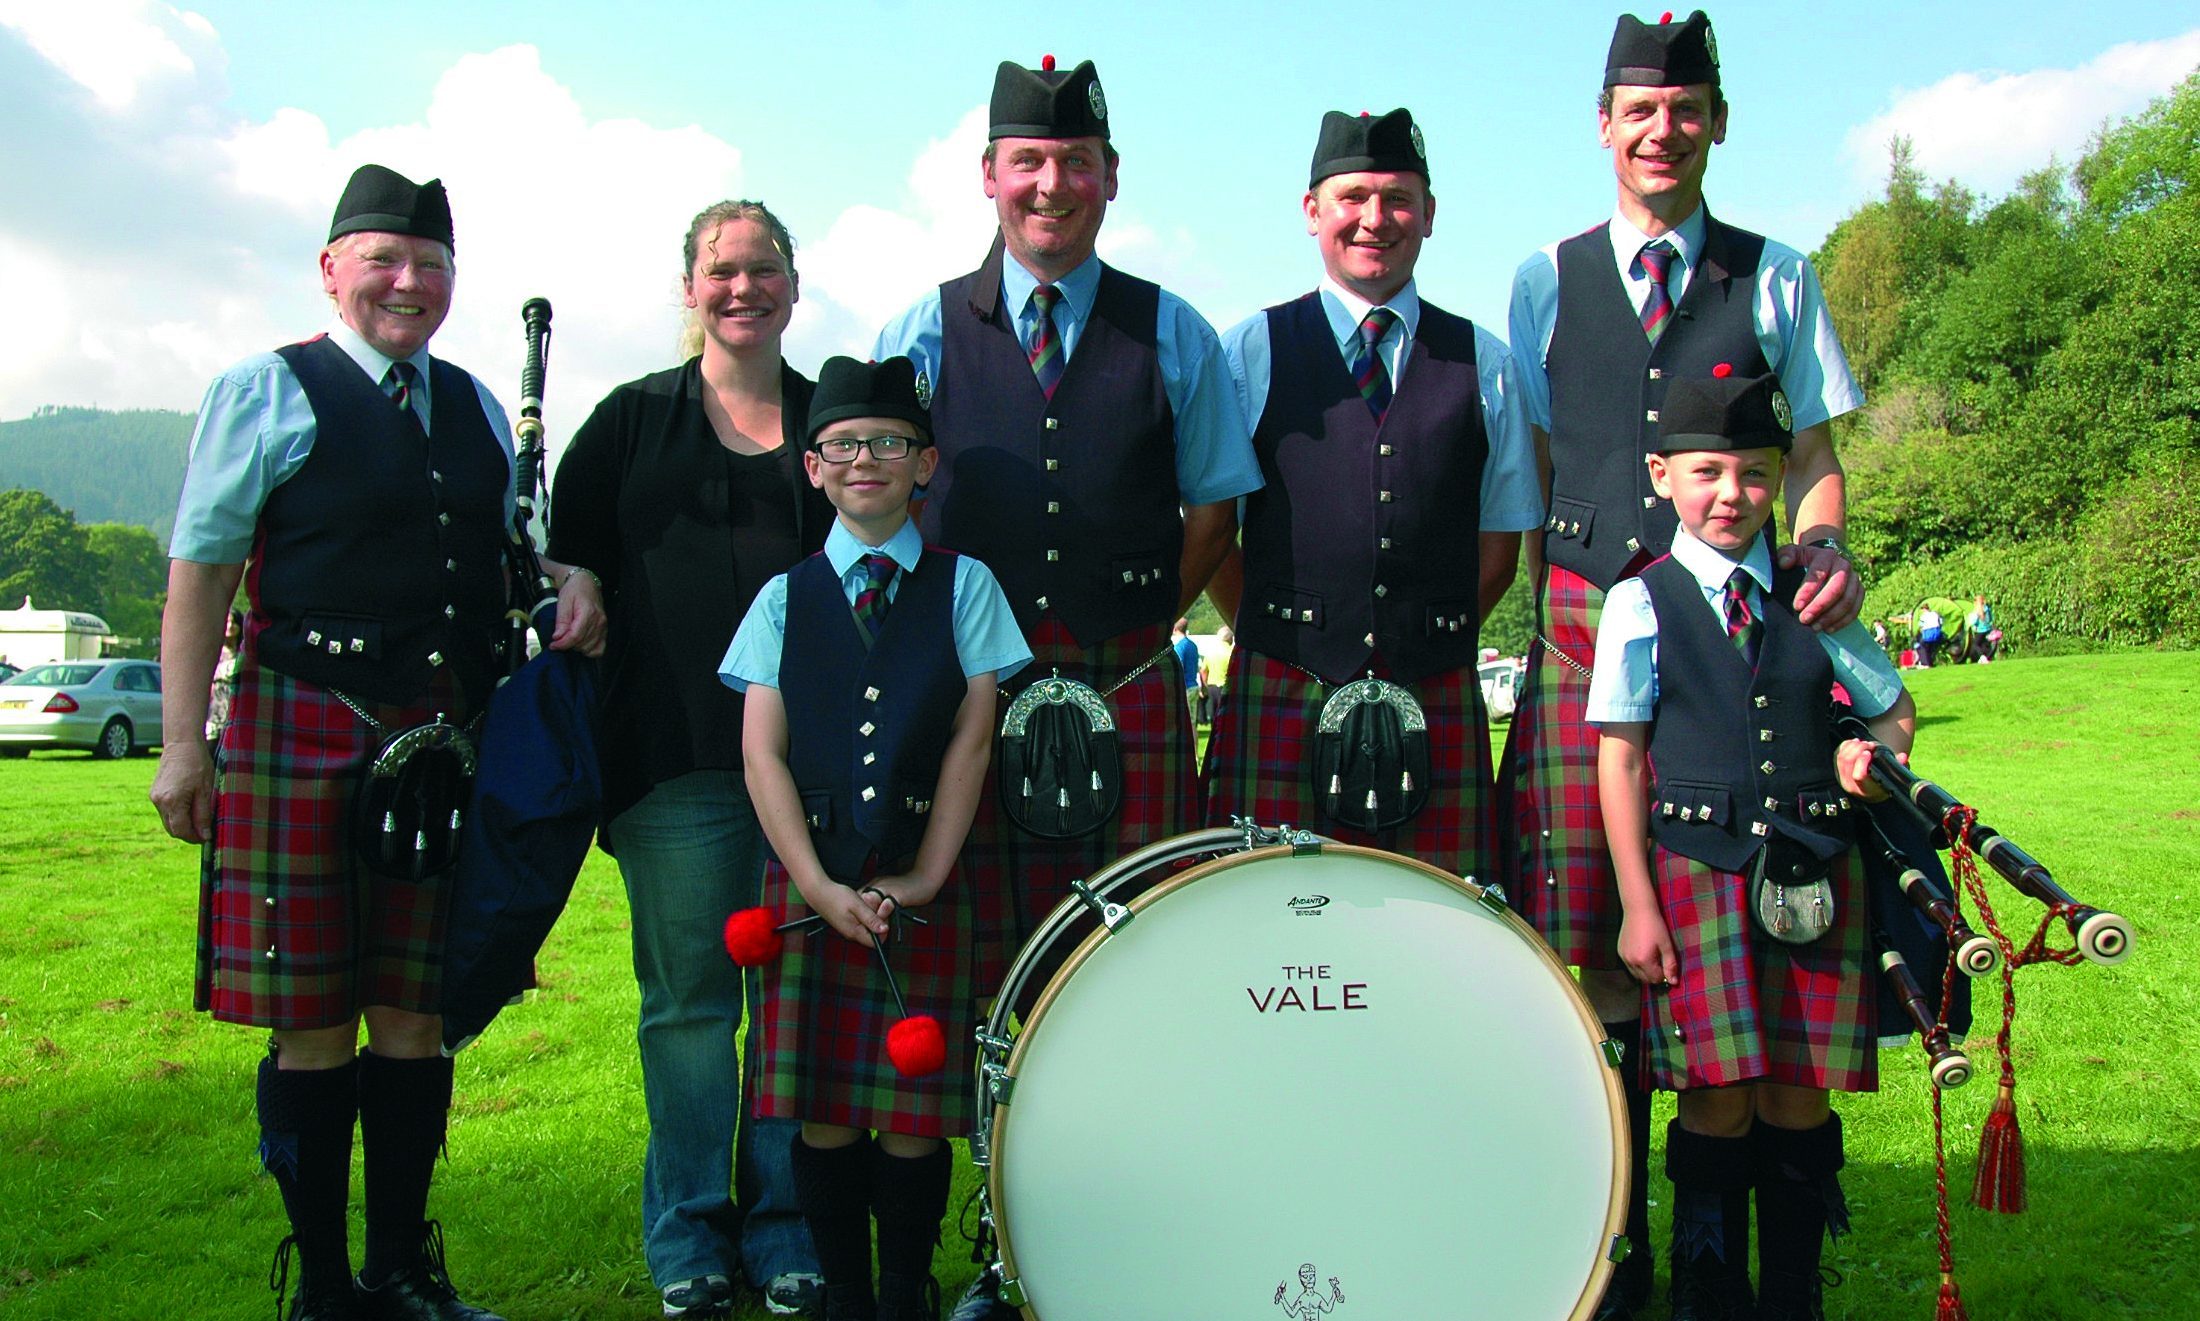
x,y
578,571
1832,544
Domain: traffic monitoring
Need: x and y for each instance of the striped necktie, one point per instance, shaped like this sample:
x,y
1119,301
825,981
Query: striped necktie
x,y
1657,309
1368,373
1046,342
878,571
397,383
1742,626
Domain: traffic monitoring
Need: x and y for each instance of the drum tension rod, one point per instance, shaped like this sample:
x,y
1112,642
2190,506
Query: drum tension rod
x,y
1492,895
1113,916
999,1082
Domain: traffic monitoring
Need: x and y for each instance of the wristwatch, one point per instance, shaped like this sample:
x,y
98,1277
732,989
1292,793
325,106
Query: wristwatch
x,y
1831,543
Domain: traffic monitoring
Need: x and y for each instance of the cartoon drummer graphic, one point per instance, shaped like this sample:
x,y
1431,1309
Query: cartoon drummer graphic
x,y
1309,1303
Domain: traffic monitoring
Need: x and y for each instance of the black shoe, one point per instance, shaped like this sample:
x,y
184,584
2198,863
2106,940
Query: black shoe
x,y
333,1304
903,1298
982,1302
421,1291
850,1302
1789,1297
1710,1290
1627,1293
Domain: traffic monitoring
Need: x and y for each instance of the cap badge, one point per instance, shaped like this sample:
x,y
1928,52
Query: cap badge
x,y
924,391
1781,413
1420,148
1711,45
1099,102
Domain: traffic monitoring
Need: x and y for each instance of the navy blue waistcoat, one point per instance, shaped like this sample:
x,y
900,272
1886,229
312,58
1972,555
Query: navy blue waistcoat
x,y
381,559
1071,502
1365,539
868,723
1741,757
1608,381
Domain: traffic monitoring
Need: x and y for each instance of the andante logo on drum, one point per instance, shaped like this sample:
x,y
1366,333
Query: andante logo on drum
x,y
1308,1302
1310,988
1307,905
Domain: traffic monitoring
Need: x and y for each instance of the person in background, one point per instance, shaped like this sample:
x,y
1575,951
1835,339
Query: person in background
x,y
1187,660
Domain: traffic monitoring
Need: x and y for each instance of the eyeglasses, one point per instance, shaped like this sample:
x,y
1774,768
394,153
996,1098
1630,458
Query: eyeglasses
x,y
886,449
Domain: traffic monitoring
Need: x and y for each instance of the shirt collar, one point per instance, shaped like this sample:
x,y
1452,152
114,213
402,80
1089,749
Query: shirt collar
x,y
844,552
1346,310
1712,568
1079,288
1628,241
372,360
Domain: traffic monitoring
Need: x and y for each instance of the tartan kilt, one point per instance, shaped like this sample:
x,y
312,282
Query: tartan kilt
x,y
1567,889
826,1011
1748,1008
1015,877
1261,749
293,934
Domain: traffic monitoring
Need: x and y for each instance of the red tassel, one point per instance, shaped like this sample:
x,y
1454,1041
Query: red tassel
x,y
917,1046
1999,1185
1951,1301
750,940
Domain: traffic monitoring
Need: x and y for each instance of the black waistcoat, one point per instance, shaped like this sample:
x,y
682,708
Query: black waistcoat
x,y
1740,757
1608,380
1071,502
380,560
1365,540
867,724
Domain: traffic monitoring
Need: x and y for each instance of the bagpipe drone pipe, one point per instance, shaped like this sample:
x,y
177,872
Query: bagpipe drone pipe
x,y
538,792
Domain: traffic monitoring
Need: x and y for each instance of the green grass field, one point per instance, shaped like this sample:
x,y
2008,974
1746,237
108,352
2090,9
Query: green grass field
x,y
129,1185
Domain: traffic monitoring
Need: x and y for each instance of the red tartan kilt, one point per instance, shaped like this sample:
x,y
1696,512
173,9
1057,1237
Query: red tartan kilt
x,y
1261,752
1748,1008
1567,890
826,1011
1016,878
292,934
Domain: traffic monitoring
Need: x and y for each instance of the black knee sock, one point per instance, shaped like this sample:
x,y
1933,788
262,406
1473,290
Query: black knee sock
x,y
306,1118
1711,1182
404,1109
1798,1200
1635,1273
833,1187
909,1197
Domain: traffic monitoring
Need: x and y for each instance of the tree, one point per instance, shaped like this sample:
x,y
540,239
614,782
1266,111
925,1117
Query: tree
x,y
44,555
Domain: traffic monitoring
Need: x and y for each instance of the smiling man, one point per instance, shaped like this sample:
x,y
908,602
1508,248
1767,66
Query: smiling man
x,y
1398,476
1602,323
1091,453
368,488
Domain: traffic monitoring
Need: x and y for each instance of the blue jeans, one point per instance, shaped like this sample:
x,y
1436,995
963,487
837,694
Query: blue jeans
x,y
691,852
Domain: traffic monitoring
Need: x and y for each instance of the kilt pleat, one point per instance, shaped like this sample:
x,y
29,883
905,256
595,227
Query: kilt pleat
x,y
1567,889
1262,746
1748,1008
292,933
1017,878
826,1012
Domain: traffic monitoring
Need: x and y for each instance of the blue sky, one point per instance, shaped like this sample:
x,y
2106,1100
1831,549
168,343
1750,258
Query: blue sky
x,y
171,167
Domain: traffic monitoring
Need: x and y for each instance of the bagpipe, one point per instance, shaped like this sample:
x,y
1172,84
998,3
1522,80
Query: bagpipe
x,y
538,793
1906,833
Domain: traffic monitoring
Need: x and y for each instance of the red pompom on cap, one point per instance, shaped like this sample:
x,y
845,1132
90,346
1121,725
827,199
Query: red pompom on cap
x,y
1723,370
750,940
917,1046
1046,63
1666,17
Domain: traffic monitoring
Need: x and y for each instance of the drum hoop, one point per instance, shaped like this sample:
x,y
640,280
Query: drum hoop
x,y
1615,1211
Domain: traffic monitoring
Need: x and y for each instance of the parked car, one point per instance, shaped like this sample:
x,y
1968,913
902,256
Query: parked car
x,y
1500,686
8,671
111,707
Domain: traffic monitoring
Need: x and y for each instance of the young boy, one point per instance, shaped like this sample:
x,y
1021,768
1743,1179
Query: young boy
x,y
870,671
1718,762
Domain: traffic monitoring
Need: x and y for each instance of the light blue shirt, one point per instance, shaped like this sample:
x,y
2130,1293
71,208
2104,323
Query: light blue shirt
x,y
254,432
1793,328
986,636
1214,446
1624,688
1512,493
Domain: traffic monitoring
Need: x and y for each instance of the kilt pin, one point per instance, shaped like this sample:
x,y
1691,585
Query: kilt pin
x,y
1263,742
1016,878
293,933
1567,889
1748,1008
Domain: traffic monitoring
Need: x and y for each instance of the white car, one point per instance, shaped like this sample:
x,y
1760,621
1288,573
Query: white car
x,y
111,707
1500,686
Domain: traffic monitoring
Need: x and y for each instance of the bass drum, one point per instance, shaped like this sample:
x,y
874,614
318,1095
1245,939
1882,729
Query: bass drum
x,y
1311,1081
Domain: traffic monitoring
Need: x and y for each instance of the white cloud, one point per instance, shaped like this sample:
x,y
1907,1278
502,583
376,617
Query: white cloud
x,y
115,49
1989,128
